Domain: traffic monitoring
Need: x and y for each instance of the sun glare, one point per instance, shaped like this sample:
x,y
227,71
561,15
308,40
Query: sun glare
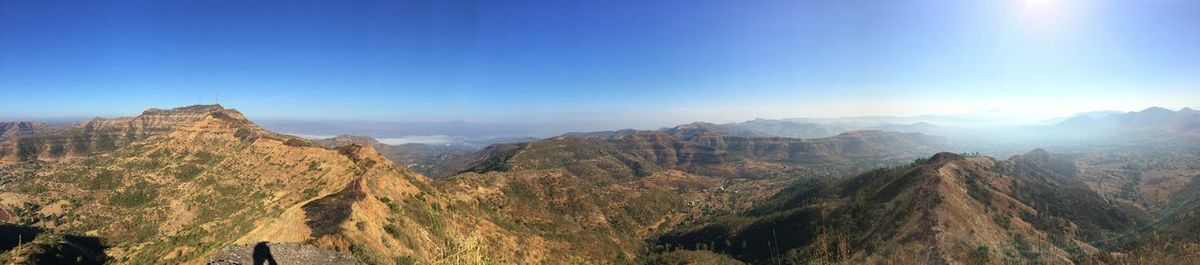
x,y
1032,3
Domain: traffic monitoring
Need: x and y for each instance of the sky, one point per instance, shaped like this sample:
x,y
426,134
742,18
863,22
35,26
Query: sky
x,y
639,63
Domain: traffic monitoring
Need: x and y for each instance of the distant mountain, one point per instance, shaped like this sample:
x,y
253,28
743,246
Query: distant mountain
x,y
20,128
976,119
1151,120
793,129
453,132
1091,114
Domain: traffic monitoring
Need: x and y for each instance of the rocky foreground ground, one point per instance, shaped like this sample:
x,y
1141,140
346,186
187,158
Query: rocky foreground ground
x,y
282,253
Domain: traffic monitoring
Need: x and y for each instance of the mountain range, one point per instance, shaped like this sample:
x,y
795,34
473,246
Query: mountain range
x,y
201,184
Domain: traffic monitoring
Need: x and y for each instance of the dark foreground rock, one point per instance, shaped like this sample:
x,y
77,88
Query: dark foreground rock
x,y
280,253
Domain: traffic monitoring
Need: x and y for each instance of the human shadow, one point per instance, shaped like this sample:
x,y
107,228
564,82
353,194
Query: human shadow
x,y
262,254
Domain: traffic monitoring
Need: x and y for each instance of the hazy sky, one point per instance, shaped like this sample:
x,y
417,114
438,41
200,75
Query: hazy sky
x,y
635,61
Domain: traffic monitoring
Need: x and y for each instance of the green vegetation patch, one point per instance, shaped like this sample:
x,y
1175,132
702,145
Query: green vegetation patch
x,y
102,180
187,172
134,196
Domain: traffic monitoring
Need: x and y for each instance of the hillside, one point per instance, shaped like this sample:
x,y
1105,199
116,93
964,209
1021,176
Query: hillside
x,y
946,209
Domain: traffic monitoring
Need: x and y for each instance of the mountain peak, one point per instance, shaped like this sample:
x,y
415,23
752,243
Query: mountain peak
x,y
1036,154
1156,110
363,155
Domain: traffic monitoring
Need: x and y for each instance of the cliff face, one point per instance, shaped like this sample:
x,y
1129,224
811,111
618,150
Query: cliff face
x,y
151,122
20,128
102,135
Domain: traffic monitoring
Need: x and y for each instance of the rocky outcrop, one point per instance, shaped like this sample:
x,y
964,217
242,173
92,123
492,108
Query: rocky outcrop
x,y
100,135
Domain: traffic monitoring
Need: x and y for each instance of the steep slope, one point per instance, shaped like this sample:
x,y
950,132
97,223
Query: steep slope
x,y
948,209
1180,218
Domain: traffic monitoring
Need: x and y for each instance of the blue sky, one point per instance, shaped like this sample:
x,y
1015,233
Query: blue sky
x,y
642,62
